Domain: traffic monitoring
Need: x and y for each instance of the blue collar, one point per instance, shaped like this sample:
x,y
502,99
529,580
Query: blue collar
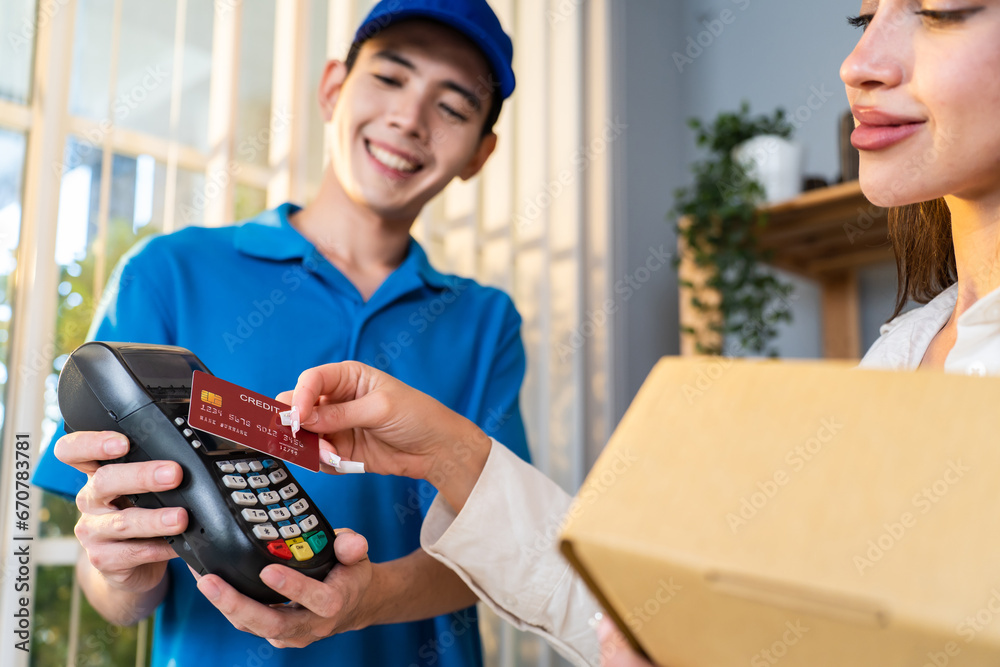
x,y
270,235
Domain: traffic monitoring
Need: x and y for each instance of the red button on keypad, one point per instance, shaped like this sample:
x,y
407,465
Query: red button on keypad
x,y
280,549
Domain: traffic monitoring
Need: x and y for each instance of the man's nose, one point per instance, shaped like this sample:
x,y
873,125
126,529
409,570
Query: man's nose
x,y
408,115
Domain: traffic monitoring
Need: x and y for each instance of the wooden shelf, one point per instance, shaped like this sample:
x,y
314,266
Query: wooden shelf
x,y
826,230
825,235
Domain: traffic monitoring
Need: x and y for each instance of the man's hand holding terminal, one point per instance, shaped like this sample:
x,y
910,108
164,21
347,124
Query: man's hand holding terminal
x,y
123,564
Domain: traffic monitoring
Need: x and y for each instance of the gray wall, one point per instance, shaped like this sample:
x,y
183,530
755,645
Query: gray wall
x,y
771,53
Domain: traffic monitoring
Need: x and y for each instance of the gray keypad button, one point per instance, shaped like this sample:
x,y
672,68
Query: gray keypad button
x,y
256,466
308,523
257,481
255,516
265,531
179,421
280,514
244,498
290,531
278,476
234,482
299,506
226,466
269,498
289,492
242,466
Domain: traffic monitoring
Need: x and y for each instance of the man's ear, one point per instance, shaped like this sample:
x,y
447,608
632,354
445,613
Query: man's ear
x,y
334,75
486,147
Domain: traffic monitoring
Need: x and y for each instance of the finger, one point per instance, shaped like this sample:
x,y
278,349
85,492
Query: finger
x,y
124,557
615,649
336,382
244,613
328,455
83,449
329,470
131,524
369,411
119,479
350,547
318,597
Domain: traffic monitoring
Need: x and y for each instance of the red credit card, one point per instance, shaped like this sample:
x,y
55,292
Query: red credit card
x,y
229,411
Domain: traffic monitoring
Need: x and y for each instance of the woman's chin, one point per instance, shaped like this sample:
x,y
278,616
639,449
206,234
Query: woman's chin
x,y
891,192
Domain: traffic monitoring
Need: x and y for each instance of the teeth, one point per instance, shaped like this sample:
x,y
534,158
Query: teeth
x,y
391,160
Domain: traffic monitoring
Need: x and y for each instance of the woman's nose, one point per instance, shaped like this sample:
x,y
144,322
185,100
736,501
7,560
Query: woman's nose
x,y
879,59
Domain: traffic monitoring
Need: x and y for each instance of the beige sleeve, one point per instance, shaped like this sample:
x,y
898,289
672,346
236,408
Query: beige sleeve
x,y
504,545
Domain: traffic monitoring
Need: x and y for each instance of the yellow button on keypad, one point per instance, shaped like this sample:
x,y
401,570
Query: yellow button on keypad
x,y
300,549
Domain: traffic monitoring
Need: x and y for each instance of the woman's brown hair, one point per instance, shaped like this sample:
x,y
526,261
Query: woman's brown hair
x,y
925,253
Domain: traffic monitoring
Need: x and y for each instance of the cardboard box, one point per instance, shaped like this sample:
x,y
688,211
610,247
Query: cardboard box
x,y
799,514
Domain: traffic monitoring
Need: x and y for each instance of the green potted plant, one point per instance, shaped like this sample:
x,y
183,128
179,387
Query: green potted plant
x,y
716,220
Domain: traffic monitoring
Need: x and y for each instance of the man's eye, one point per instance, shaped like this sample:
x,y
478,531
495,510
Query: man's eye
x,y
389,81
860,21
454,114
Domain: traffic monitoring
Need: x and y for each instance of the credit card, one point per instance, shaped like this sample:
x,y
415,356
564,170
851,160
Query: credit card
x,y
250,419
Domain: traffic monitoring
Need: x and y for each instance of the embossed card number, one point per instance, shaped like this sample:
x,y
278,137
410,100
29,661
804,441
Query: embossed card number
x,y
229,411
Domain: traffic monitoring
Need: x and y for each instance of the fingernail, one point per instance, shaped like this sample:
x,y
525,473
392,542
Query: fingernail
x,y
209,589
332,458
311,419
116,445
164,475
273,577
172,518
288,416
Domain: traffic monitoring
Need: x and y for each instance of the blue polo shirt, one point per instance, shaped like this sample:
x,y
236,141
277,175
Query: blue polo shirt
x,y
258,304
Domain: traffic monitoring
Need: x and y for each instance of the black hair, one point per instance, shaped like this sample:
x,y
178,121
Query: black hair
x,y
496,100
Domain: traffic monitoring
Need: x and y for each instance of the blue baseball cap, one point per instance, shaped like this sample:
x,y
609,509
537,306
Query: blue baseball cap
x,y
473,18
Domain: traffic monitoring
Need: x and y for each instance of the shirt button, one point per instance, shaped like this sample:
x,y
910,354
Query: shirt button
x,y
977,368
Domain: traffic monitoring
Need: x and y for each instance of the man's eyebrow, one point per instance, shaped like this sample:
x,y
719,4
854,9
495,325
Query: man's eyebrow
x,y
470,97
392,56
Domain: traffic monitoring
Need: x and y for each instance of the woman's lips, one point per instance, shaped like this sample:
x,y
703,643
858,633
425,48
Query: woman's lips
x,y
876,137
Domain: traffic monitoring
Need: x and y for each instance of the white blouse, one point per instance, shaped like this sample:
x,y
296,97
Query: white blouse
x,y
977,346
